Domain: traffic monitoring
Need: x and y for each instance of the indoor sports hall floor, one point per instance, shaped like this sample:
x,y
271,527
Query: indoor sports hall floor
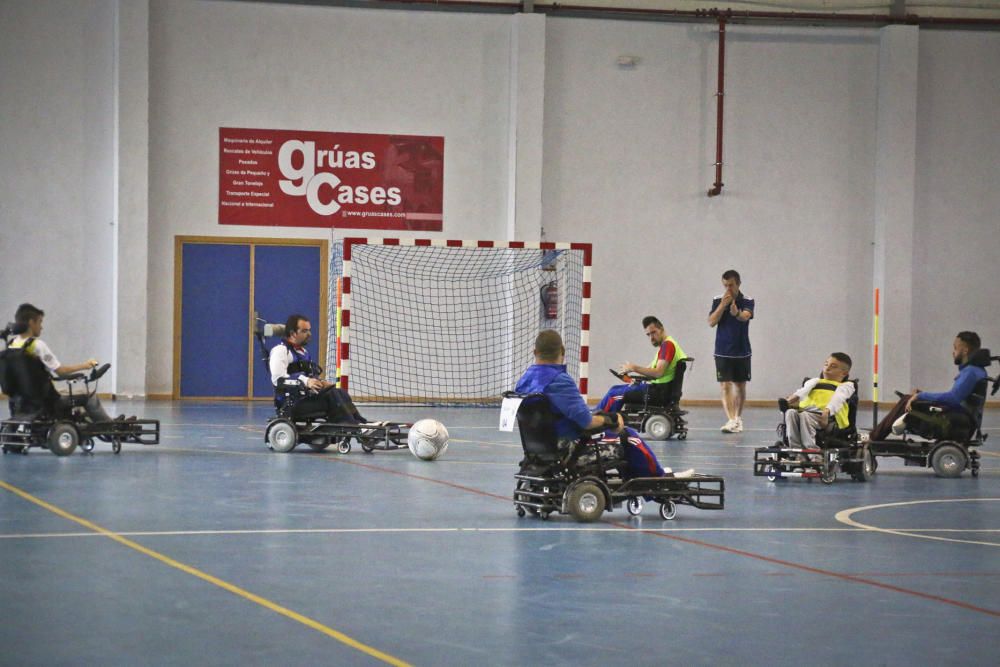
x,y
210,550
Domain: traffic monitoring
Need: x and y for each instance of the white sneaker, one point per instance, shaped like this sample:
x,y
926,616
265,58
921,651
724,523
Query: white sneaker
x,y
684,473
738,425
729,426
899,426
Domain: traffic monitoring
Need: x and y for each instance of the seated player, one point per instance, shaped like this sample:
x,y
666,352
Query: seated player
x,y
818,400
290,359
660,373
548,376
27,329
912,412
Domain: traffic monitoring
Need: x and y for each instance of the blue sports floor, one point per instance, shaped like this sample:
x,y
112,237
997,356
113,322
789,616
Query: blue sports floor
x,y
211,550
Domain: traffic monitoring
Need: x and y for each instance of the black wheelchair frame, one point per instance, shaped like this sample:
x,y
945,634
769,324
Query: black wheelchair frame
x,y
583,479
658,421
284,432
62,426
948,457
837,450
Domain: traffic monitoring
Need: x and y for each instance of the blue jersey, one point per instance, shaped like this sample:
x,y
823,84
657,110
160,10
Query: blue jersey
x,y
732,337
965,383
553,381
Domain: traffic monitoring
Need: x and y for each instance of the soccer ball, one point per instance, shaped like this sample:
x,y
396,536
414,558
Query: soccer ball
x,y
427,439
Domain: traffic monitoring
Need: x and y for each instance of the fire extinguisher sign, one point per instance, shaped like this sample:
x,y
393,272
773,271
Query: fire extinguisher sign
x,y
550,300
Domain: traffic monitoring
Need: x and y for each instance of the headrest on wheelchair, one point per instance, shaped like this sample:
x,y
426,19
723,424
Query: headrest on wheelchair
x,y
981,358
267,329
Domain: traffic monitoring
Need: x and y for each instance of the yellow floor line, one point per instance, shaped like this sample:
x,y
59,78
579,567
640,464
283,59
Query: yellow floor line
x,y
215,581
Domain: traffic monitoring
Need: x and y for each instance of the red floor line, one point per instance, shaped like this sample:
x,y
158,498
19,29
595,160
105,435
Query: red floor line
x,y
814,570
708,545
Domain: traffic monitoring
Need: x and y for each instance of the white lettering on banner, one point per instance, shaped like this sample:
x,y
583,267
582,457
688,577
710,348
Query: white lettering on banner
x,y
508,413
304,180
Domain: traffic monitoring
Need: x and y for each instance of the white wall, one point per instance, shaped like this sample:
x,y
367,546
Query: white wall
x,y
286,67
957,230
627,159
629,155
56,170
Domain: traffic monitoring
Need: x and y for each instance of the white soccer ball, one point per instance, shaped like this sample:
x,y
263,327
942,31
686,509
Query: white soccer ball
x,y
427,439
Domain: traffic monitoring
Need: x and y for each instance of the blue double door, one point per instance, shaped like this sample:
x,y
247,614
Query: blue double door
x,y
224,286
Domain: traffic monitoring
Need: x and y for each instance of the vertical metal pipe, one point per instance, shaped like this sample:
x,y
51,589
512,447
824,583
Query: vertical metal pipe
x,y
716,188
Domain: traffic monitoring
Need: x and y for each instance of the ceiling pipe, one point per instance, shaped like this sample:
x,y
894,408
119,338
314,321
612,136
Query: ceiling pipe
x,y
599,11
716,188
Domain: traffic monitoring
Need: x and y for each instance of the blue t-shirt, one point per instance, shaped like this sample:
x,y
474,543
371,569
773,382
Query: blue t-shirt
x,y
965,383
553,381
732,337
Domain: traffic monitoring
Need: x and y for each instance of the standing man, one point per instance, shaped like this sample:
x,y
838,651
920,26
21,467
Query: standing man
x,y
730,315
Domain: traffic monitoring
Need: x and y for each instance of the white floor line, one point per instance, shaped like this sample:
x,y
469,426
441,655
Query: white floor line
x,y
523,529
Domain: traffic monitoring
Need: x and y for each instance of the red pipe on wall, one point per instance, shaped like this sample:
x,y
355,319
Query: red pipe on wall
x,y
716,188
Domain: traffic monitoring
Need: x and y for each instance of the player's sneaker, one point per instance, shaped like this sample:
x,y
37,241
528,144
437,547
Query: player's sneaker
x,y
729,426
737,425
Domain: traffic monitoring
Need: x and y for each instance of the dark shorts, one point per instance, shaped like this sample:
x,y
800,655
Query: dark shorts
x,y
730,369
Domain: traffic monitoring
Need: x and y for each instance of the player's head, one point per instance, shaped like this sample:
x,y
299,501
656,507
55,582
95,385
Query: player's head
x,y
298,330
966,343
28,319
654,330
837,367
549,347
731,280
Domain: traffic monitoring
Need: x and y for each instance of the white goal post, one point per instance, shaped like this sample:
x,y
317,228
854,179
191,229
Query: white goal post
x,y
451,322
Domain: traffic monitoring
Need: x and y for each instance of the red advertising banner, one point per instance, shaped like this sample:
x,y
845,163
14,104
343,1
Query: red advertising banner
x,y
289,178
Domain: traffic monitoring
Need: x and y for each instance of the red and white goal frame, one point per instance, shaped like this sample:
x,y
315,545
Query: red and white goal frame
x,y
349,243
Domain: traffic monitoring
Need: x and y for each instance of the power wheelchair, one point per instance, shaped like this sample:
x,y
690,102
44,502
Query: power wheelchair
x,y
659,419
949,439
836,450
285,430
41,417
583,478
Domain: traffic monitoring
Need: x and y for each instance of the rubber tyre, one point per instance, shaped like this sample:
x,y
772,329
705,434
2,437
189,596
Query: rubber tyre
x,y
634,506
116,446
520,511
769,471
949,461
668,511
368,444
63,438
282,436
87,445
866,467
586,502
829,476
345,446
658,427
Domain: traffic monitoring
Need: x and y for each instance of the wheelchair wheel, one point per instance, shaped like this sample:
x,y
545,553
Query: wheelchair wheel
x,y
281,436
87,445
63,438
829,475
948,460
634,506
866,467
345,446
520,511
116,446
668,511
770,472
586,502
658,427
368,443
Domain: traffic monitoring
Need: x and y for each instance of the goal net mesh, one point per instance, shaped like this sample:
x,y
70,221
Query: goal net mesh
x,y
432,324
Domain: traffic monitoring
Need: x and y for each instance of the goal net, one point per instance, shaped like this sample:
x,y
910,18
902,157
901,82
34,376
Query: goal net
x,y
452,322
